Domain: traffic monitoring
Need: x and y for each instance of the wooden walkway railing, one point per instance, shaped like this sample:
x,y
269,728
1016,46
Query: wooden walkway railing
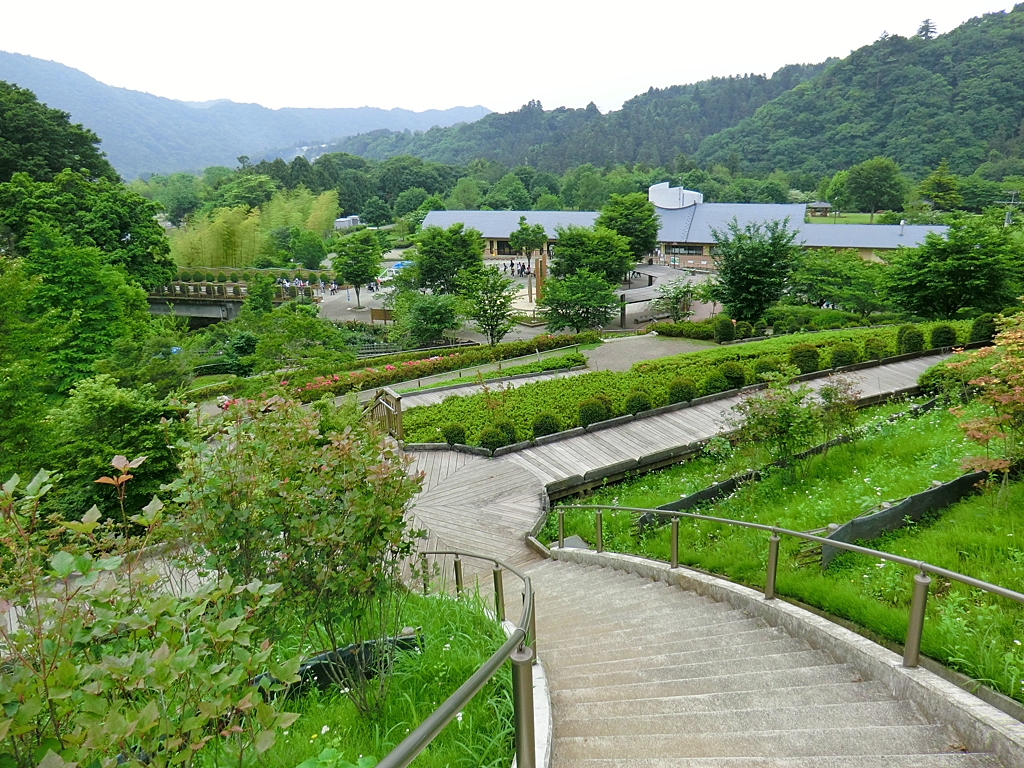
x,y
385,409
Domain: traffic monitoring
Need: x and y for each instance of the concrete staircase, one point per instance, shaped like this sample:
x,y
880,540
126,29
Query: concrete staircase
x,y
647,675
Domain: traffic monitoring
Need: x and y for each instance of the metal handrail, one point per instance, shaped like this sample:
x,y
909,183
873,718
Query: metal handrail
x,y
517,648
915,623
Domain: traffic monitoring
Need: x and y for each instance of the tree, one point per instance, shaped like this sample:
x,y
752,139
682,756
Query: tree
x,y
676,298
632,216
579,301
441,254
819,274
528,238
306,247
942,188
508,194
753,265
410,200
251,190
181,195
96,213
292,336
837,193
259,299
465,196
598,250
42,142
424,318
927,30
781,418
375,213
876,184
969,267
489,297
358,260
864,290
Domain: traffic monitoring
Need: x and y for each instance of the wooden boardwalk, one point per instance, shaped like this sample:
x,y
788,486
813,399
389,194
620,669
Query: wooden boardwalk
x,y
433,397
488,505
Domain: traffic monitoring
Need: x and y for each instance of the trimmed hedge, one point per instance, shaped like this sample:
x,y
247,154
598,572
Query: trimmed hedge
x,y
734,374
805,357
714,383
546,423
681,390
724,329
875,348
942,336
844,354
454,434
911,340
983,328
637,402
703,330
492,438
744,330
594,409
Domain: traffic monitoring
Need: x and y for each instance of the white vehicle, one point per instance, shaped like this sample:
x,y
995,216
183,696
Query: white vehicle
x,y
389,274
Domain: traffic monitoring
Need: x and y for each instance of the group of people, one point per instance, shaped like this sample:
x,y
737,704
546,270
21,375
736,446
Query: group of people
x,y
518,269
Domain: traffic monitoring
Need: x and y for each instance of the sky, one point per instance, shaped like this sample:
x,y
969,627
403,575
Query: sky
x,y
434,55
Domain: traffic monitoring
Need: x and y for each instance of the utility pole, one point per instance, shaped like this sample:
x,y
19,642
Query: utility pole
x,y
1010,204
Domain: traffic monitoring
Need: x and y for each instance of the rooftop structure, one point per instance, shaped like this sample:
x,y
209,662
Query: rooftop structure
x,y
496,226
665,196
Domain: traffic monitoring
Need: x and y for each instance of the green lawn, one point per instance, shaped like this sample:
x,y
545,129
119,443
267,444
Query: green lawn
x,y
844,218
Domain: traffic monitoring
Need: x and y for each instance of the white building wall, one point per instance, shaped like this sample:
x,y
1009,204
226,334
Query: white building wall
x,y
665,196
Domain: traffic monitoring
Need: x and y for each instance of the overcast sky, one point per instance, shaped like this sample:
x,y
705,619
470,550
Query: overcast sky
x,y
422,55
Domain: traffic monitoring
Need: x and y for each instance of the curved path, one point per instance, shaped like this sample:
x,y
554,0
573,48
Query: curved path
x,y
488,505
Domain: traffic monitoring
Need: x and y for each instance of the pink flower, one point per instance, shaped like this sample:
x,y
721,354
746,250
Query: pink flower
x,y
389,367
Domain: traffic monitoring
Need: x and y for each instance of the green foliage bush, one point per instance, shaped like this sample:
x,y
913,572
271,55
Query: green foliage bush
x,y
900,333
793,325
546,423
912,340
760,328
844,354
766,365
681,389
724,329
209,277
703,330
233,277
875,348
221,277
185,277
714,383
942,336
593,410
983,328
805,357
744,330
492,438
454,434
806,315
734,374
507,429
637,402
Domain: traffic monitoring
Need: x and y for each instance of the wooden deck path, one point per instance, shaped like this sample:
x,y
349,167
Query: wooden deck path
x,y
488,505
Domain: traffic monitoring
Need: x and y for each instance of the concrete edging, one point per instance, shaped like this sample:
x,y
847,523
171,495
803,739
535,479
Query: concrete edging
x,y
980,726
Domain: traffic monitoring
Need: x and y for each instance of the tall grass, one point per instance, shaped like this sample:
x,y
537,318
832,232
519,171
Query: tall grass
x,y
458,637
965,629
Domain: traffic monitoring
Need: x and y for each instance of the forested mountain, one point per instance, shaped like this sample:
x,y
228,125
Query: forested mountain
x,y
958,96
143,133
651,128
916,100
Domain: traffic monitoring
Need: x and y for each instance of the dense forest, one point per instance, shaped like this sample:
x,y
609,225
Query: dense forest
x,y
917,100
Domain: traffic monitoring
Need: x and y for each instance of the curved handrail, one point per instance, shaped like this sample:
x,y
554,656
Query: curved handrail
x,y
425,732
915,623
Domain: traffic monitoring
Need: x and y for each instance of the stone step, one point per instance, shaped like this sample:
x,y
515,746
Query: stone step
x,y
639,623
720,683
614,651
832,716
942,760
868,740
721,624
728,701
694,670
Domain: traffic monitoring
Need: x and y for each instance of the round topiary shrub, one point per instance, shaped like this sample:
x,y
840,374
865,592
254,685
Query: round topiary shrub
x,y
744,330
681,390
724,329
942,336
793,325
221,277
734,374
637,402
766,365
492,438
875,348
715,383
844,353
760,328
236,291
912,341
983,328
454,434
593,410
805,357
233,277
507,429
546,423
900,332
185,277
247,276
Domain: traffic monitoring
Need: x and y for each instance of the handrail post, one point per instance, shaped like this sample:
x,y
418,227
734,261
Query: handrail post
x,y
532,639
915,623
424,568
522,706
599,532
561,528
458,575
499,594
773,565
675,543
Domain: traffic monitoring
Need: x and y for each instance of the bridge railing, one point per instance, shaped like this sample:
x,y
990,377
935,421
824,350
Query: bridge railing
x,y
921,580
385,410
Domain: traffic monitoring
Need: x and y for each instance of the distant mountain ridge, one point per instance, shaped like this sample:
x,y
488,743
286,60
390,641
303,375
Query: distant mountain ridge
x,y
143,133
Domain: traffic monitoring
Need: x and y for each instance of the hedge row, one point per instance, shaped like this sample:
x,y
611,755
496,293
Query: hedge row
x,y
685,376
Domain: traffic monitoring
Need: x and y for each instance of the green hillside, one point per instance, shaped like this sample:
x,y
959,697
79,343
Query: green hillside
x,y
958,96
651,128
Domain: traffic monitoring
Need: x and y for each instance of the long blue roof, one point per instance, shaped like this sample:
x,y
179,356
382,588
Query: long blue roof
x,y
499,224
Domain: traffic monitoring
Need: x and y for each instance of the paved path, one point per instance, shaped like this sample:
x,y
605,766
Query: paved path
x,y
488,505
